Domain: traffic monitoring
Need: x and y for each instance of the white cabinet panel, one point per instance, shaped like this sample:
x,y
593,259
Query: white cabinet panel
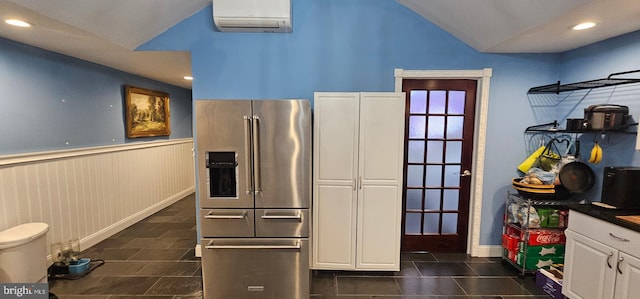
x,y
628,281
358,159
605,232
335,136
332,241
378,234
588,280
381,136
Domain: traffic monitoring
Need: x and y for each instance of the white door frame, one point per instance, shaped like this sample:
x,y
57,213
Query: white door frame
x,y
483,77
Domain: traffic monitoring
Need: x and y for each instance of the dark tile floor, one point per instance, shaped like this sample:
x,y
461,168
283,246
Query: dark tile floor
x,y
430,276
154,259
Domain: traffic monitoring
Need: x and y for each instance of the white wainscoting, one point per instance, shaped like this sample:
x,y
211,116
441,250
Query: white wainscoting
x,y
93,193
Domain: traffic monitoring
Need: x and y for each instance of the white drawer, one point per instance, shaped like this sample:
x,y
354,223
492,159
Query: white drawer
x,y
607,233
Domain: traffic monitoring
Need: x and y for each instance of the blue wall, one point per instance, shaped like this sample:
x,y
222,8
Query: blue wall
x,y
355,45
50,101
597,61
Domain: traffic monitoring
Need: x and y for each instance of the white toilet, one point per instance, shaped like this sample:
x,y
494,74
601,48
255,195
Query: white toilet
x,y
23,253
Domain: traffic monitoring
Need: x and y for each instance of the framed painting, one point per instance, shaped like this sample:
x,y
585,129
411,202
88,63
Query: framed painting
x,y
147,112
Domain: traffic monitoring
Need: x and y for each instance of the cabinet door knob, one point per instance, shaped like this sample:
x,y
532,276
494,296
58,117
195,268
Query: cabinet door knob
x,y
609,259
618,265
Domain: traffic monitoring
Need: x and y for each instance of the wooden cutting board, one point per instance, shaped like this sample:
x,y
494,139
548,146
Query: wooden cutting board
x,y
631,218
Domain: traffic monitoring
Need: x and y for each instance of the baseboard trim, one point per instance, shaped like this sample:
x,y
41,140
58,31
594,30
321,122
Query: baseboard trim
x,y
489,251
111,230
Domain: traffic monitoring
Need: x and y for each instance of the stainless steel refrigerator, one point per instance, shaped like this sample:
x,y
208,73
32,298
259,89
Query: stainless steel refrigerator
x,y
254,189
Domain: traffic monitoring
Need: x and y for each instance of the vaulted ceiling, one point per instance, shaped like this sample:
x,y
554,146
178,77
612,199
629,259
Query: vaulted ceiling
x,y
107,32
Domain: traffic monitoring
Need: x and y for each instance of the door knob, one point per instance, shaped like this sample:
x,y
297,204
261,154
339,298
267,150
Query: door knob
x,y
466,172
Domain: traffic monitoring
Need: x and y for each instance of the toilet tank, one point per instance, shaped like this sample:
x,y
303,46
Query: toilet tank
x,y
23,254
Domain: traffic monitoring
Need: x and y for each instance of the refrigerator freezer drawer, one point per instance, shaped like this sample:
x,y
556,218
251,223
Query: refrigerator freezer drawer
x,y
227,222
255,268
282,223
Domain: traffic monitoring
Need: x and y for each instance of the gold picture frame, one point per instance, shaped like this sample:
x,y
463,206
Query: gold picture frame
x,y
147,112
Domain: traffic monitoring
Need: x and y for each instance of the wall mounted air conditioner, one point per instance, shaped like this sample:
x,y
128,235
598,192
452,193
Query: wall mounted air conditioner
x,y
252,15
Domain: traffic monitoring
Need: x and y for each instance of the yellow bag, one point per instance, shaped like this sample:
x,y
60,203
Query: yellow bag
x,y
545,158
529,161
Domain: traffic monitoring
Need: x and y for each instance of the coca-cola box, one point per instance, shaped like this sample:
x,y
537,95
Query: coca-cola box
x,y
510,242
538,236
545,237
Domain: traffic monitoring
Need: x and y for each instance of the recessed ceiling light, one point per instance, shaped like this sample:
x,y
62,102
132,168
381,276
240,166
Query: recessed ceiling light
x,y
188,78
18,23
583,26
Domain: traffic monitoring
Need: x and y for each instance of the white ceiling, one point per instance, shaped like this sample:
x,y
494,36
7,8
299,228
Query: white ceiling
x,y
529,26
107,32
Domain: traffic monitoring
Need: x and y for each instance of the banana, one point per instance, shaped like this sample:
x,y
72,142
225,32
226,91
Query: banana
x,y
596,153
599,155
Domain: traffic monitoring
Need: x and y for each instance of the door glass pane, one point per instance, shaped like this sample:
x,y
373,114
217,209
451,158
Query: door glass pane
x,y
451,199
437,100
418,100
417,126
414,199
432,200
414,175
452,176
449,223
431,223
454,127
436,127
416,151
456,101
412,223
434,176
434,152
454,152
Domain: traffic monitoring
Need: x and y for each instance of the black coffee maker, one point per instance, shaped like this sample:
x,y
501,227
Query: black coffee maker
x,y
621,187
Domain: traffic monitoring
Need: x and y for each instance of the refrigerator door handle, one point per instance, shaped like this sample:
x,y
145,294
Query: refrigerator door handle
x,y
211,216
256,154
247,153
298,216
210,245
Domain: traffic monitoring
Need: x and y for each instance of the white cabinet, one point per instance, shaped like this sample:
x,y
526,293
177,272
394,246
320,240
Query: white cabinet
x,y
592,279
628,278
598,260
357,188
